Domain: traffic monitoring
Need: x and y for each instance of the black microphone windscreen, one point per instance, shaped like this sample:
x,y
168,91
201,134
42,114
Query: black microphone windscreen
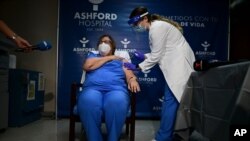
x,y
203,65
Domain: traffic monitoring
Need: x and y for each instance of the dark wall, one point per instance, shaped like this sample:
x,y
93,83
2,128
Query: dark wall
x,y
240,29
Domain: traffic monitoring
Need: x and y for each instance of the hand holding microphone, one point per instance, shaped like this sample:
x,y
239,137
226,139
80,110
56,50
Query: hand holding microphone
x,y
42,46
20,42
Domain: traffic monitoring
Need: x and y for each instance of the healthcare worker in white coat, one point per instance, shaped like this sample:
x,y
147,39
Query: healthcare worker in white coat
x,y
171,51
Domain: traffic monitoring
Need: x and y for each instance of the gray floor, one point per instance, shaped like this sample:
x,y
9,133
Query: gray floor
x,y
52,130
57,130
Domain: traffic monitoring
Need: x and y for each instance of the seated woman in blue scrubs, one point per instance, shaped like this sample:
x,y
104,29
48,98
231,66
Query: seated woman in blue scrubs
x,y
105,92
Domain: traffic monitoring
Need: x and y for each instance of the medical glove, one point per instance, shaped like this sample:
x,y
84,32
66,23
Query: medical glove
x,y
139,55
131,66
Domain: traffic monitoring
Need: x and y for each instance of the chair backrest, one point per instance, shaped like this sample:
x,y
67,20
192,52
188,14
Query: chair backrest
x,y
121,53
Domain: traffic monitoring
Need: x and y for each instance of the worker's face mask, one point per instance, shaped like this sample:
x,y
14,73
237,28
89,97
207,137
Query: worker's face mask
x,y
139,28
104,49
134,22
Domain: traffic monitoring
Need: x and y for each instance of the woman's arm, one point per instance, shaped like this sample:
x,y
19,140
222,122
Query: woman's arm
x,y
96,62
133,84
157,36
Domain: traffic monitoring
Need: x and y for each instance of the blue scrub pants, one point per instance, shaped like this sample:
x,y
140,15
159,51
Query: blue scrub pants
x,y
94,105
168,115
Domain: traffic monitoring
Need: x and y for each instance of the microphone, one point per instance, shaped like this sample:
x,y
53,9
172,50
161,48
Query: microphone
x,y
42,46
203,65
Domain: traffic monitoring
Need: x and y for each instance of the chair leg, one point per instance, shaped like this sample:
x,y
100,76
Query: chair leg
x,y
72,128
132,130
127,127
132,118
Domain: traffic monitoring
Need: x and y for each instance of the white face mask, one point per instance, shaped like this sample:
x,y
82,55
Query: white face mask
x,y
104,49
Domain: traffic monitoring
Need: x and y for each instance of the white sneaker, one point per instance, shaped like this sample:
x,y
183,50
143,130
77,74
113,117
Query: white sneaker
x,y
153,140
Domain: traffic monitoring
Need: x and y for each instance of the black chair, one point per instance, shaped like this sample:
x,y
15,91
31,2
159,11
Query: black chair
x,y
130,120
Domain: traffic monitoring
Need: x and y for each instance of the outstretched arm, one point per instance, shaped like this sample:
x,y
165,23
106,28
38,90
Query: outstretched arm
x,y
8,32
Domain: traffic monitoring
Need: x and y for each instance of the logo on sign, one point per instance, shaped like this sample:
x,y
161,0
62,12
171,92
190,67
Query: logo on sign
x,y
83,49
206,53
84,41
205,45
95,4
146,73
125,42
146,79
95,20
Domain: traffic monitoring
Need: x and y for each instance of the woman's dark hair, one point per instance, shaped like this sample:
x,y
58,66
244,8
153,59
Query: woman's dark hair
x,y
152,17
113,46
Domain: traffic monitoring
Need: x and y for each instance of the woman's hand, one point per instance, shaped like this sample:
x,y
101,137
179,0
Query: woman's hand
x,y
133,85
22,43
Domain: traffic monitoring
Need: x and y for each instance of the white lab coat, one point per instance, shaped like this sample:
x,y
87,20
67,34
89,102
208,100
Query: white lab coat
x,y
173,54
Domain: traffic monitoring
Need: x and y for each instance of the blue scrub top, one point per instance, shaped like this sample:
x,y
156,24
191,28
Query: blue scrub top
x,y
110,76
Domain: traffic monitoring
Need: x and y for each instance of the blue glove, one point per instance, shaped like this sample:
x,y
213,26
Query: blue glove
x,y
131,66
139,55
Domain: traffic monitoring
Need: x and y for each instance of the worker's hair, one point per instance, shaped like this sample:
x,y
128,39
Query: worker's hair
x,y
161,18
152,17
